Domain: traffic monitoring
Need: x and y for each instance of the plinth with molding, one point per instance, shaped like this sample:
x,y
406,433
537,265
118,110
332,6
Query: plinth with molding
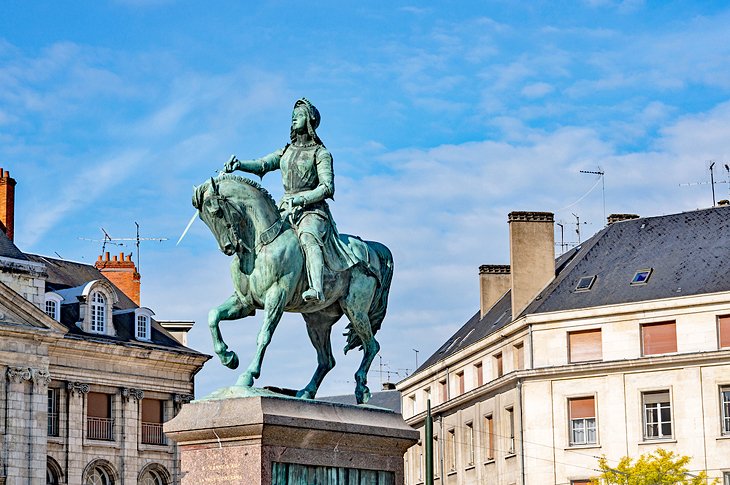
x,y
255,437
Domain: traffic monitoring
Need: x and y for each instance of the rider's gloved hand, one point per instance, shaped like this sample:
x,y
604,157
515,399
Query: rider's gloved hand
x,y
231,164
298,201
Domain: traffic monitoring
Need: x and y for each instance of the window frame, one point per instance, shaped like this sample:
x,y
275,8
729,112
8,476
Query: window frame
x,y
498,365
720,333
478,374
581,286
725,410
518,350
660,406
510,435
460,384
470,444
54,412
450,450
585,422
642,332
98,312
55,299
571,359
636,281
489,435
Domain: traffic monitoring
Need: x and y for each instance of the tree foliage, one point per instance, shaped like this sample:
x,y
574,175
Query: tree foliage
x,y
661,467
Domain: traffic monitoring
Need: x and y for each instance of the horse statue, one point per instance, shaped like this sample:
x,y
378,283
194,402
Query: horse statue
x,y
268,274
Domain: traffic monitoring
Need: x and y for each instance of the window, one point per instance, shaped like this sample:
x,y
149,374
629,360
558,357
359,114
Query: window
x,y
510,430
659,338
585,346
723,330
585,283
489,437
657,415
443,391
478,374
152,477
641,277
98,312
426,396
143,327
99,422
98,476
519,353
53,416
726,478
498,366
436,462
469,430
411,404
460,383
152,412
51,308
53,305
420,462
725,402
451,449
582,420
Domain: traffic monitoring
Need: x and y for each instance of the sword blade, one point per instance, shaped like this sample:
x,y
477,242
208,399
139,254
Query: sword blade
x,y
192,219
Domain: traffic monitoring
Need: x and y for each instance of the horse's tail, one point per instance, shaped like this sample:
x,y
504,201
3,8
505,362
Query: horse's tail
x,y
379,305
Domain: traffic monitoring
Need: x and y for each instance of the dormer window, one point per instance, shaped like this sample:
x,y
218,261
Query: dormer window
x,y
143,323
98,312
53,305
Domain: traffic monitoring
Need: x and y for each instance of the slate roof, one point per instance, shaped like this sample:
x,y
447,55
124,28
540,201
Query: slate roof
x,y
382,399
688,253
8,249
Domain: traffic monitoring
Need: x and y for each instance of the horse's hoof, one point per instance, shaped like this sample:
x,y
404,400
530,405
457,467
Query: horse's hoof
x,y
230,360
245,380
362,395
305,394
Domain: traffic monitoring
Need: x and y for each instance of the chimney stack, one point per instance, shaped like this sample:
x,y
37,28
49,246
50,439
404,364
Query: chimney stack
x,y
531,254
494,281
7,204
621,217
122,272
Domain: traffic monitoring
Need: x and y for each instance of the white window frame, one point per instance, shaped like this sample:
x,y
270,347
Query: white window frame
x,y
586,426
726,478
470,445
98,312
725,411
56,300
145,313
656,420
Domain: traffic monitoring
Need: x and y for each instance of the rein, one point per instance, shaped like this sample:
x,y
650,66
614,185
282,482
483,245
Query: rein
x,y
266,237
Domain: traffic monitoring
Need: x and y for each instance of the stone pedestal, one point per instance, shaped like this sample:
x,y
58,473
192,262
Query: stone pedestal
x,y
265,440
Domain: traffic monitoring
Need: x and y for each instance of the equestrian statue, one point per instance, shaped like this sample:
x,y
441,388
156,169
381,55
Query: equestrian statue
x,y
291,257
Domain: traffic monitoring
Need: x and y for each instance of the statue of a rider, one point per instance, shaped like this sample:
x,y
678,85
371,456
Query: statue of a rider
x,y
308,176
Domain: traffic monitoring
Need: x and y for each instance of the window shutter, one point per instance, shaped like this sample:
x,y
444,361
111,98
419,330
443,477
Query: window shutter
x,y
583,407
151,411
656,397
724,324
98,405
585,345
659,338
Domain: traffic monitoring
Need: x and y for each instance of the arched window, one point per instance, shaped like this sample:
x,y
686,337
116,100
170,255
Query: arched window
x,y
98,312
143,327
151,478
53,472
98,476
154,474
53,305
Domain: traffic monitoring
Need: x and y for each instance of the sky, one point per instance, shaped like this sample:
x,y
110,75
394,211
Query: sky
x,y
442,117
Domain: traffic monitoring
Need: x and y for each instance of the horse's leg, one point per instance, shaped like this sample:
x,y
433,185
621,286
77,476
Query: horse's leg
x,y
273,308
231,309
319,328
356,305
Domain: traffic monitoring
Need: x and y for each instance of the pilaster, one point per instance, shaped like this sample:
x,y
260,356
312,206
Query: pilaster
x,y
128,431
75,403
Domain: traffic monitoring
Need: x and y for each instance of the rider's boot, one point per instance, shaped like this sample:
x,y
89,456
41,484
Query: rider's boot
x,y
314,260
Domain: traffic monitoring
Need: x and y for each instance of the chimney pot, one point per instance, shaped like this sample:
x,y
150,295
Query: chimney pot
x,y
723,202
620,217
7,204
106,256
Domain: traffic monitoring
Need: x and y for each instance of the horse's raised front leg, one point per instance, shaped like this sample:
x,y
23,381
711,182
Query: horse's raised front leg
x,y
231,309
273,308
319,328
356,306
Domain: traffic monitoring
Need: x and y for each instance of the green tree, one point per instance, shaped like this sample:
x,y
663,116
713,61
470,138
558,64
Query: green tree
x,y
659,468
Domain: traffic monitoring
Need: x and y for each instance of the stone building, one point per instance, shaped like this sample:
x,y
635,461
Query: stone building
x,y
616,348
88,375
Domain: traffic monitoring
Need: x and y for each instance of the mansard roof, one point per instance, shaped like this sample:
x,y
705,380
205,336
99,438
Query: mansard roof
x,y
687,254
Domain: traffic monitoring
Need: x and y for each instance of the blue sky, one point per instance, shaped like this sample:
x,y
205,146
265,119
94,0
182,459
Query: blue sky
x,y
441,118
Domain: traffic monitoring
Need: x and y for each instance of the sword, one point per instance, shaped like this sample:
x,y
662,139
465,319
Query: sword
x,y
192,219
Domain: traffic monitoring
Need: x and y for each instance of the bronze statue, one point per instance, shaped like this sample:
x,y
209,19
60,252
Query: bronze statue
x,y
291,257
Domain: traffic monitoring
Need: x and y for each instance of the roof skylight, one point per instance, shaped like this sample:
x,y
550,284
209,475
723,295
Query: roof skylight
x,y
641,277
585,283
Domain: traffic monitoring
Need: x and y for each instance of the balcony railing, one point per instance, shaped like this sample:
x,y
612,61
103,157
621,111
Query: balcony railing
x,y
100,428
53,421
152,434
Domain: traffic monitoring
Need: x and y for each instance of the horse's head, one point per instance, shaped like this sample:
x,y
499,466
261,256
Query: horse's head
x,y
221,215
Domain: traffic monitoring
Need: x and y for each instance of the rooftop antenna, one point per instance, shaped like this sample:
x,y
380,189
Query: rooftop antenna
x,y
602,174
416,351
712,182
577,225
727,178
562,236
120,241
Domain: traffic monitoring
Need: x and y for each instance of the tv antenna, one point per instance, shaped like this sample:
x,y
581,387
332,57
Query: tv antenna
x,y
577,225
602,174
123,241
712,182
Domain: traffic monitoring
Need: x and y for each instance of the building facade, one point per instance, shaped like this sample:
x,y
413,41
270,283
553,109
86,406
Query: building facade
x,y
88,375
616,348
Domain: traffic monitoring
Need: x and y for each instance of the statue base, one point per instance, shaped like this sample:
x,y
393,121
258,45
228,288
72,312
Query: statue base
x,y
267,439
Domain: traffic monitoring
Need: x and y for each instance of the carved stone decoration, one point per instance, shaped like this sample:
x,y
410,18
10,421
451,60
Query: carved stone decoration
x,y
183,398
19,374
79,388
41,378
130,392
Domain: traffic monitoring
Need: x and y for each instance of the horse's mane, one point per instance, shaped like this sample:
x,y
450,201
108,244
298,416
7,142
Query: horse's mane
x,y
200,190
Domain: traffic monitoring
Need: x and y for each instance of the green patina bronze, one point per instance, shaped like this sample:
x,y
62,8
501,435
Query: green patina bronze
x,y
291,257
294,474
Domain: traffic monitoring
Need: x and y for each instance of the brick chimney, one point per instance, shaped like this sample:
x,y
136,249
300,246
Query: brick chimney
x,y
122,272
7,204
531,255
494,281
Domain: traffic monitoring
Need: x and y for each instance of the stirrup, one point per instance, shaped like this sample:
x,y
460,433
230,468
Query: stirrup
x,y
312,295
